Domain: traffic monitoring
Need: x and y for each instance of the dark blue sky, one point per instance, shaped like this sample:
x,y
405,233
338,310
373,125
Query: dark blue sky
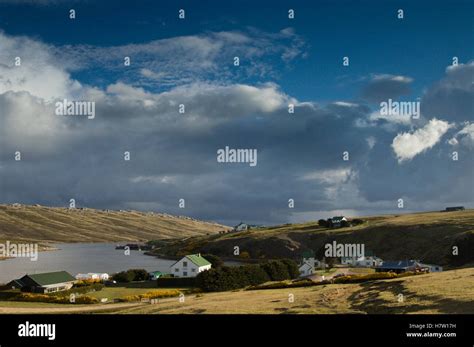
x,y
369,32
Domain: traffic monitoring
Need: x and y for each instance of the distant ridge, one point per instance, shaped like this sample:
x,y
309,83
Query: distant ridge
x,y
56,224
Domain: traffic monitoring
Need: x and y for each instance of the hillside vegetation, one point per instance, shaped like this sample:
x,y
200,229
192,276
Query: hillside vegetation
x,y
428,236
52,224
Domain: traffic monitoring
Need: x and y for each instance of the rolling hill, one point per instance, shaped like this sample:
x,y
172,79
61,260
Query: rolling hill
x,y
428,236
53,224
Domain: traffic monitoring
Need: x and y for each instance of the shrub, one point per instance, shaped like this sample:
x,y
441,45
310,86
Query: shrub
x,y
222,279
214,260
123,277
292,267
86,300
83,283
255,274
322,223
276,270
31,297
244,255
155,294
176,282
230,278
79,290
139,274
131,275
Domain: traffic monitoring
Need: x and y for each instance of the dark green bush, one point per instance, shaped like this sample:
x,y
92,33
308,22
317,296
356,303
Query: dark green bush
x,y
79,290
229,278
131,275
214,260
276,270
292,267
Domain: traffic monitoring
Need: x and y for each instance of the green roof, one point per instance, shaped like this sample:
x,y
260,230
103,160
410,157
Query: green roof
x,y
198,260
48,278
308,254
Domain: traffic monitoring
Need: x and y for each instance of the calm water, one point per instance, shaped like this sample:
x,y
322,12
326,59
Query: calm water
x,y
81,258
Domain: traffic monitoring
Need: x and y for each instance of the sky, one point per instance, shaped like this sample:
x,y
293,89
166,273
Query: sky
x,y
425,58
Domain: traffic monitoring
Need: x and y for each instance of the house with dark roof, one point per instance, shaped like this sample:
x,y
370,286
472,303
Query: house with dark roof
x,y
400,266
190,266
337,221
454,208
48,282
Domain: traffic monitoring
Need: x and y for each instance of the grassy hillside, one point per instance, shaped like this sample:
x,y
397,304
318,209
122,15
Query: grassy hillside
x,y
427,236
48,224
446,292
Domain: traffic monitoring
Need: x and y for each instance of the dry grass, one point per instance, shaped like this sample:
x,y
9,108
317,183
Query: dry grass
x,y
427,236
450,292
447,292
48,224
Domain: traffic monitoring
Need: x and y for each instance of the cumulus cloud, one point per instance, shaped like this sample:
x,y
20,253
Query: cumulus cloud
x,y
452,98
408,145
465,136
26,65
173,155
385,86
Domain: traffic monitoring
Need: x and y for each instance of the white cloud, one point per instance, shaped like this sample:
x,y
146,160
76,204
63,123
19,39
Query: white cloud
x,y
404,119
345,104
371,141
465,136
331,176
407,145
39,74
192,58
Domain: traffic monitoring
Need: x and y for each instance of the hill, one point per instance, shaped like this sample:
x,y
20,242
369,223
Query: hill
x,y
428,236
53,224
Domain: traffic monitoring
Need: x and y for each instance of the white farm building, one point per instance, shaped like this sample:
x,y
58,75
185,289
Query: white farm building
x,y
190,266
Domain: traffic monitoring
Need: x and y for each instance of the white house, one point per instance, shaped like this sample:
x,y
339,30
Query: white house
x,y
309,264
432,268
190,266
241,227
306,270
93,276
315,263
369,261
